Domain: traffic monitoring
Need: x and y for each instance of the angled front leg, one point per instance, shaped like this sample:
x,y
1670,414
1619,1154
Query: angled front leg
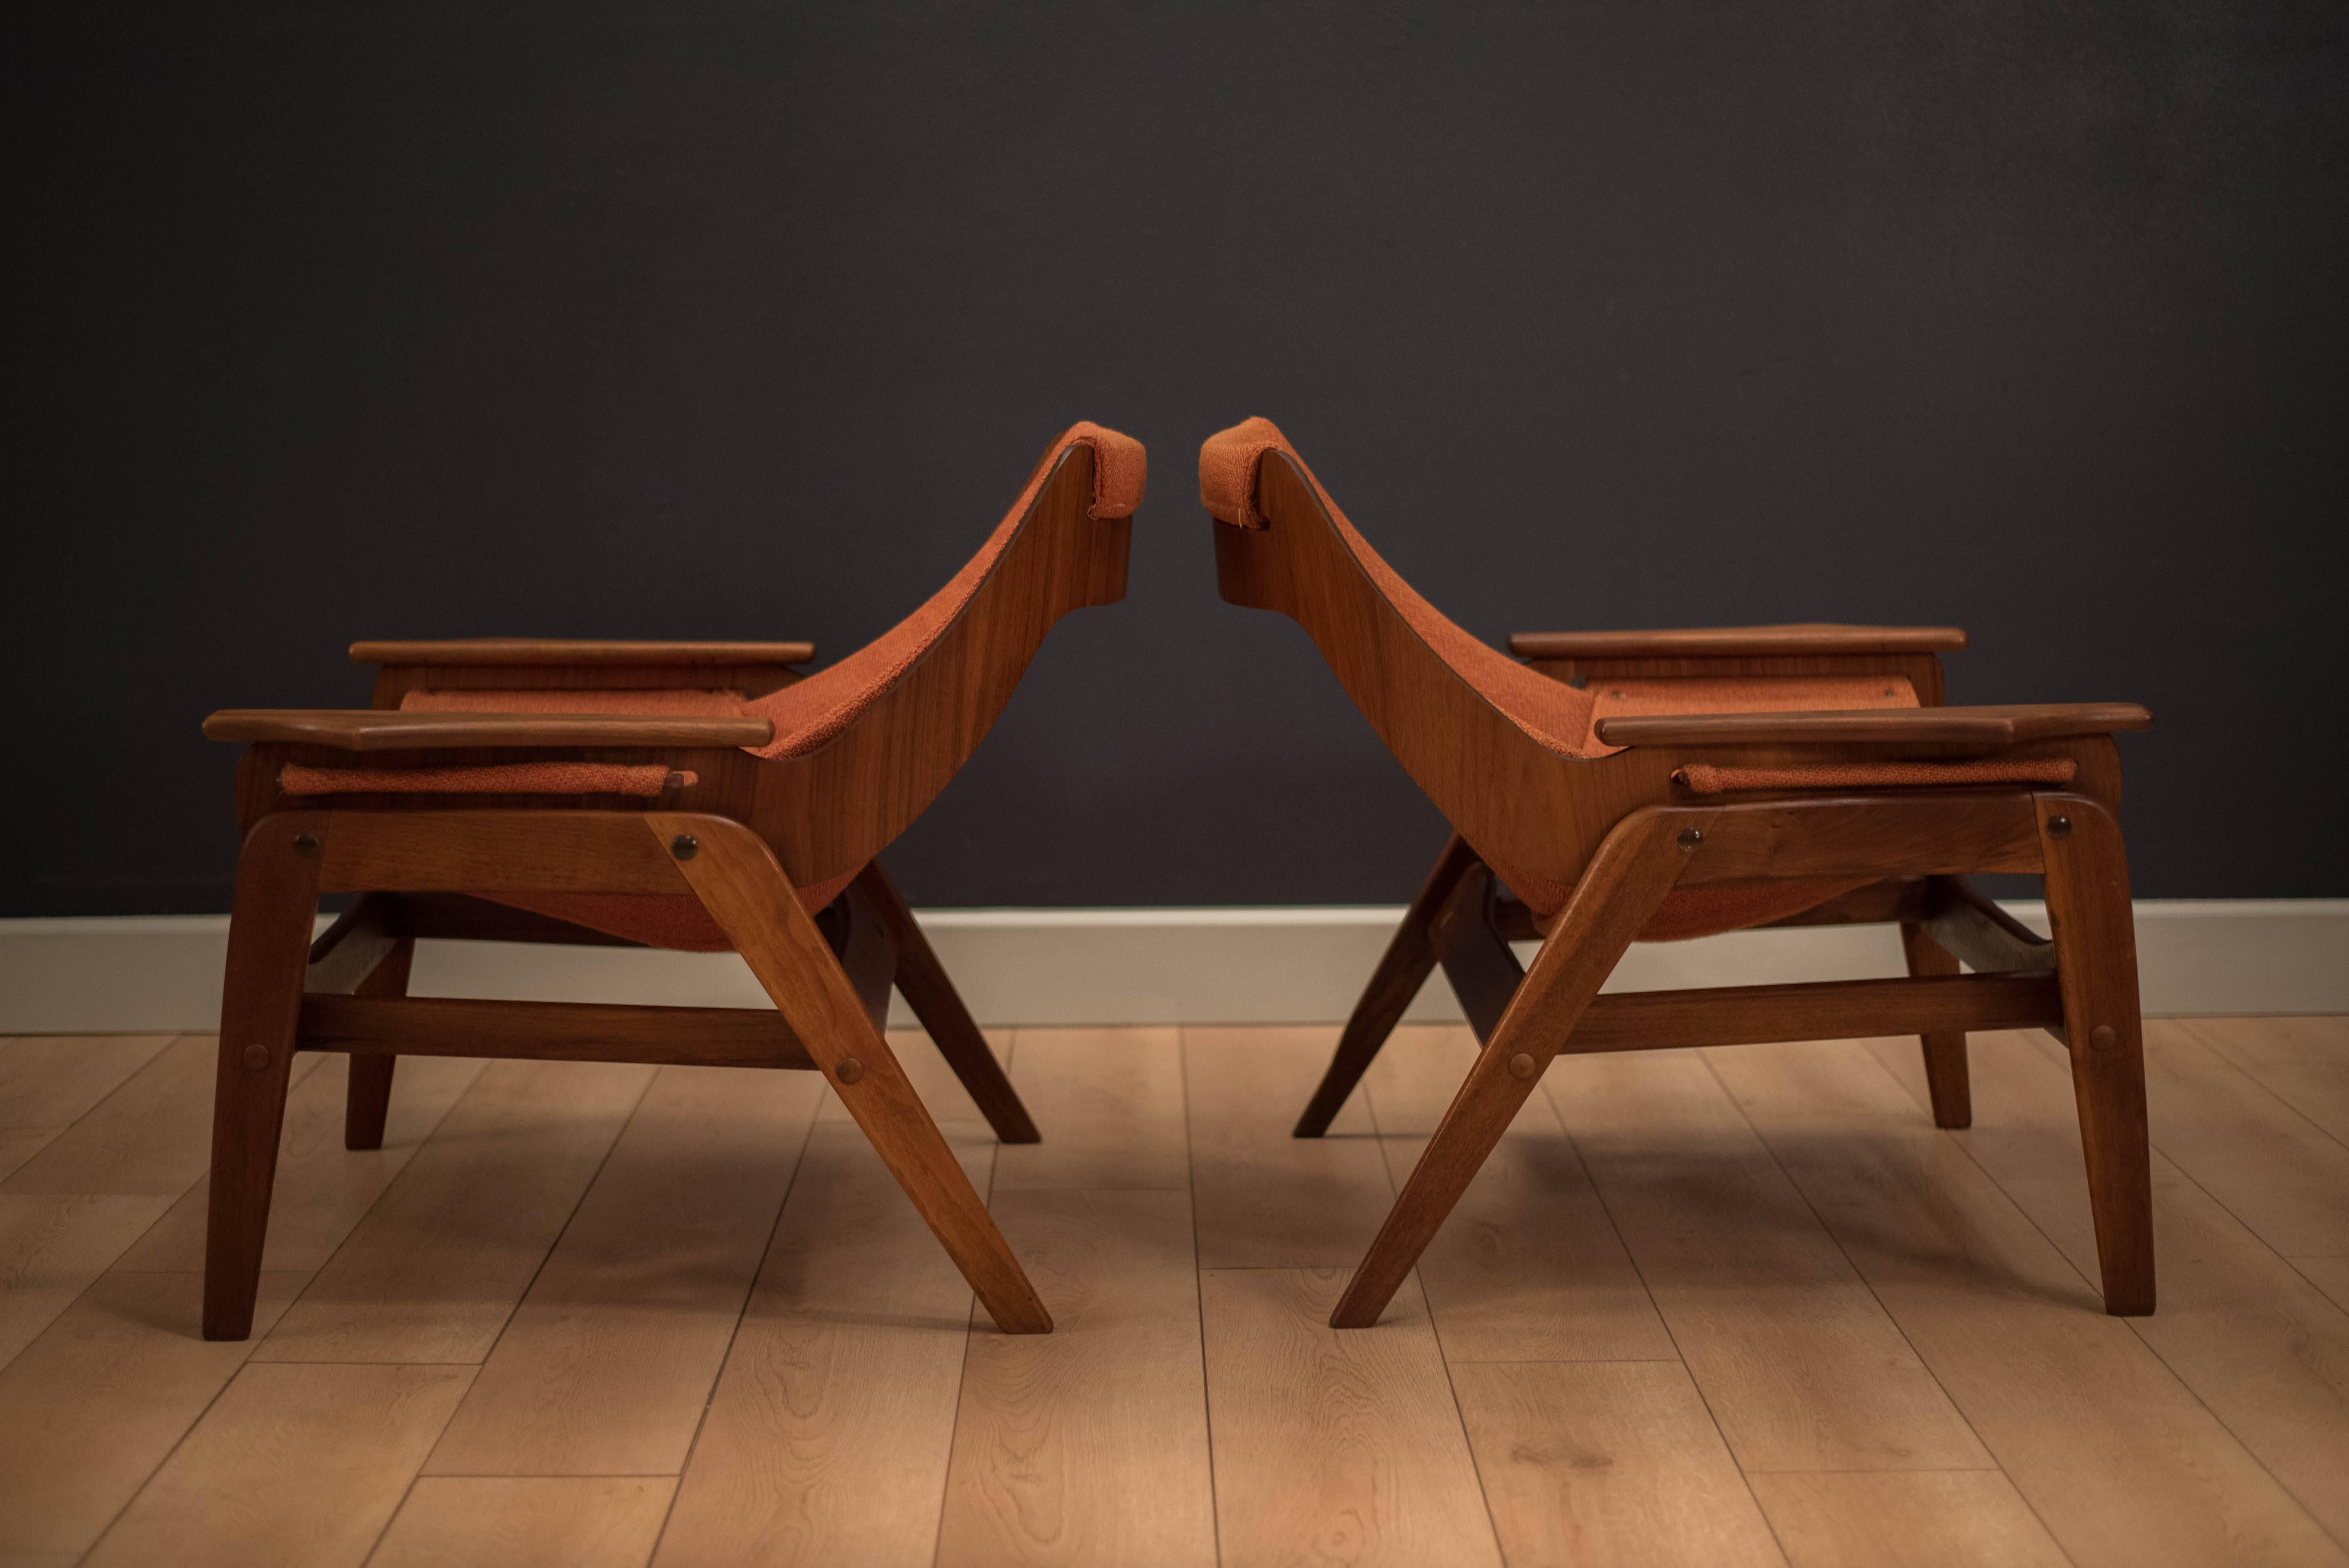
x,y
1626,879
261,1004
1409,959
736,877
2096,965
924,983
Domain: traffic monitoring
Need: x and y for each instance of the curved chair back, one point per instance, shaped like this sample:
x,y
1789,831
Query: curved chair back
x,y
1503,751
862,748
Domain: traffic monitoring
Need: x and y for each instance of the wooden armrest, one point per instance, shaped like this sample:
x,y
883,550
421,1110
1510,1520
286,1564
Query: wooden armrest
x,y
1986,726
391,729
562,651
1737,642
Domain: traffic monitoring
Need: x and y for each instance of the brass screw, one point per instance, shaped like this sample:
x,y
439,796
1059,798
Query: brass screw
x,y
684,846
2059,827
256,1057
2102,1037
849,1070
306,844
1521,1066
1689,839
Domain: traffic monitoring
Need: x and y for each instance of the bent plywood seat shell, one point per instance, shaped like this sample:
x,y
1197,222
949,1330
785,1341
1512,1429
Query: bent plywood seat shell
x,y
853,753
1524,765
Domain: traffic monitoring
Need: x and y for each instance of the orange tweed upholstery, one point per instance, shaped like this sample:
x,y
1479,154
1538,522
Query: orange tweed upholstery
x,y
810,712
1565,719
504,778
1706,779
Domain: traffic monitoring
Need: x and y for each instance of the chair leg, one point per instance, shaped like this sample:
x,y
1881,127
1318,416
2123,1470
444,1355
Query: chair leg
x,y
940,1007
1617,895
260,1002
1409,958
1476,958
735,876
1946,1073
367,1100
2096,965
852,928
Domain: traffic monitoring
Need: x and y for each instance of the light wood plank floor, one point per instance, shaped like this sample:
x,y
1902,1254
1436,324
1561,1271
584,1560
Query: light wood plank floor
x,y
1735,1307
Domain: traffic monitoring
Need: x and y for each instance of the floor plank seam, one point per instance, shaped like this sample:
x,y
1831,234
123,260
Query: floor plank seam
x,y
1720,1433
2263,1087
1827,1230
148,1480
962,1378
709,1396
586,1187
2136,1325
1960,1146
2135,1330
100,1105
1198,1290
1435,1329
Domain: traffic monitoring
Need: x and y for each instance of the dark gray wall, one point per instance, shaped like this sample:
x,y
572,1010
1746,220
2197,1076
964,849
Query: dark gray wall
x,y
407,319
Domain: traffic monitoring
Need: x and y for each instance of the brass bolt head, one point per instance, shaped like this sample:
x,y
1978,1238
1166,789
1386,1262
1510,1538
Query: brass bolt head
x,y
2059,827
849,1070
684,846
306,844
256,1057
1521,1066
1689,839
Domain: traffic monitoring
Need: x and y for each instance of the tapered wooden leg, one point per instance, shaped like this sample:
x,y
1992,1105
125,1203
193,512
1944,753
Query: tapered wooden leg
x,y
2095,963
260,1002
735,876
1409,958
1945,1050
367,1100
924,984
1621,888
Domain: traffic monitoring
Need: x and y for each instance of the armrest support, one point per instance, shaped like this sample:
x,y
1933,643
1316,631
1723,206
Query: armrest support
x,y
1738,641
1990,728
379,729
567,651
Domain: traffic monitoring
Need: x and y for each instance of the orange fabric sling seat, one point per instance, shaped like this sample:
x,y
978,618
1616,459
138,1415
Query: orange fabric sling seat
x,y
805,714
1564,718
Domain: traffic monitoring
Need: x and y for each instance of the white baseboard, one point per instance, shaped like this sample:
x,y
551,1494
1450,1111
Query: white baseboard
x,y
1146,966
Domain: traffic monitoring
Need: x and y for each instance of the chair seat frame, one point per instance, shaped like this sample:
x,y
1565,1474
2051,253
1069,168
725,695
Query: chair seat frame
x,y
740,837
1621,832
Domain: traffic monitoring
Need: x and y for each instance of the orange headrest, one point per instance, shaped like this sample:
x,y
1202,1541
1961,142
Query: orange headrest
x,y
1228,464
1120,468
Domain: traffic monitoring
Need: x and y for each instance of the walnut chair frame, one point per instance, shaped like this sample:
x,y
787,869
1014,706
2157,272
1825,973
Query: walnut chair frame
x,y
736,832
1622,831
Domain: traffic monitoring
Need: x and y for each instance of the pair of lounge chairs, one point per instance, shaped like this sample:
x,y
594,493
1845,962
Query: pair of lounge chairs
x,y
1611,787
